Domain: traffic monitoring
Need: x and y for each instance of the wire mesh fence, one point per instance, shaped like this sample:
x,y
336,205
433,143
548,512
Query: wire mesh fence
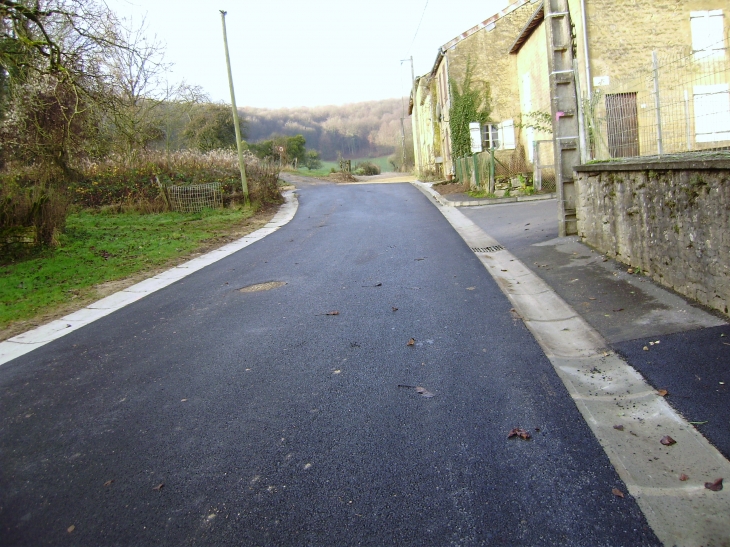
x,y
509,171
543,161
194,198
679,102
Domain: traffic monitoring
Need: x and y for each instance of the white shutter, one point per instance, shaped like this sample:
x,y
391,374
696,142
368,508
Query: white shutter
x,y
507,134
708,36
712,112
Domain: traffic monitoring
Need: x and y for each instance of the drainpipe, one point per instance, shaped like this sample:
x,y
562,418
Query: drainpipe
x,y
589,83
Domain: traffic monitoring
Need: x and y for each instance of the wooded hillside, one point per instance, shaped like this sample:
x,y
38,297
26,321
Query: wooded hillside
x,y
358,130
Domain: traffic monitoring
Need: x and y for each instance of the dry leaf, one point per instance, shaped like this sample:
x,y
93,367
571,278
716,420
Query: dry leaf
x,y
619,427
683,477
645,348
667,441
470,288
423,392
159,486
411,342
334,312
519,432
395,309
616,492
109,482
71,528
715,486
662,392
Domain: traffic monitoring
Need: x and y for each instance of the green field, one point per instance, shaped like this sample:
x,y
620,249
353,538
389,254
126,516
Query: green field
x,y
99,247
327,166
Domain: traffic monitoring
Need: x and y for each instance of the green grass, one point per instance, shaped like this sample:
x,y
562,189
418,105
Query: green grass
x,y
99,247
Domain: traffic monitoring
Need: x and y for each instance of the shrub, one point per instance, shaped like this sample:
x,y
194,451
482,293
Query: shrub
x,y
30,217
366,168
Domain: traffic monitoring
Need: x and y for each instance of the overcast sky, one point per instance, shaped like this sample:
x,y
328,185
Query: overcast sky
x,y
288,53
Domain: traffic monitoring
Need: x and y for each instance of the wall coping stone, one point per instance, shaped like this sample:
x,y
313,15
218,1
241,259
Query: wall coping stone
x,y
655,164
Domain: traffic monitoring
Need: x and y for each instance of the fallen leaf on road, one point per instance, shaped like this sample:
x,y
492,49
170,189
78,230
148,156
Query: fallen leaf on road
x,y
423,392
109,482
616,492
417,259
645,348
519,432
662,392
159,486
591,298
411,342
683,477
183,400
395,309
619,427
715,486
71,528
699,423
334,312
470,288
667,441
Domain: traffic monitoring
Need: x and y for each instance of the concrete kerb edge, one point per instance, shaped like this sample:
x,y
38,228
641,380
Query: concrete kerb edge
x,y
28,341
474,203
607,391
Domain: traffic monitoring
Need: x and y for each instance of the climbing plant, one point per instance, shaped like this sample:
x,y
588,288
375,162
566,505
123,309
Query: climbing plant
x,y
471,103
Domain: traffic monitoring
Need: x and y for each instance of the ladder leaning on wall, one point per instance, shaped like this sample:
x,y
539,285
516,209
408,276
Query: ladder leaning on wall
x,y
564,107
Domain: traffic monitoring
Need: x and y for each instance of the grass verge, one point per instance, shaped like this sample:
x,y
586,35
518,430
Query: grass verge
x,y
100,253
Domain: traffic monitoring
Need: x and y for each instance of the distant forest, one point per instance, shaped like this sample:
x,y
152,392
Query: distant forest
x,y
359,130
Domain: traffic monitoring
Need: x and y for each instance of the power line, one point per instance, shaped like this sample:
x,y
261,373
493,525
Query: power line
x,y
419,26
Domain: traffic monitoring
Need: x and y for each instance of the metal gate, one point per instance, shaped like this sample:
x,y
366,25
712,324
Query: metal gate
x,y
543,161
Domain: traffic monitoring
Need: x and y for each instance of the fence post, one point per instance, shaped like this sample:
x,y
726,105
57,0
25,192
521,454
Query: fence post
x,y
657,103
536,172
491,171
687,121
477,178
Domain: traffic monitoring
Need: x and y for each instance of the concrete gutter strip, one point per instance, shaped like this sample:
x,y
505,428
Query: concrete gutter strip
x,y
608,392
28,341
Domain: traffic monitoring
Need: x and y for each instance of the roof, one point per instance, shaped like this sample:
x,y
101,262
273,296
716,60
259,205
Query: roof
x,y
487,24
534,22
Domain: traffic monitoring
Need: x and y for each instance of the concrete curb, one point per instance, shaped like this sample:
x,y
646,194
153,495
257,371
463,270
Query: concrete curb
x,y
495,201
609,392
28,341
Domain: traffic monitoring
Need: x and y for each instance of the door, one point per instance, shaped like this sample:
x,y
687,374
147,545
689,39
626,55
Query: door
x,y
622,125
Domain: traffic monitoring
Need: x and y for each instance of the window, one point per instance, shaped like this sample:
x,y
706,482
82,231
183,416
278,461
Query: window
x,y
712,112
708,36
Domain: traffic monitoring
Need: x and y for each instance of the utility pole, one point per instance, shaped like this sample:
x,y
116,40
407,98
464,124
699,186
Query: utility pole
x,y
416,140
236,122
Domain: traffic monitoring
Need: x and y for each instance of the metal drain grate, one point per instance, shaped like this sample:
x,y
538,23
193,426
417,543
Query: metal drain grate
x,y
492,249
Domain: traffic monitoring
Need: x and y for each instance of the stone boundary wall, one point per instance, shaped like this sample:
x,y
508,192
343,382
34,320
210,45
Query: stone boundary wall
x,y
671,220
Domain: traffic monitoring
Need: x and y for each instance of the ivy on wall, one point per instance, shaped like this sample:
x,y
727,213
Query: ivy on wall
x,y
471,103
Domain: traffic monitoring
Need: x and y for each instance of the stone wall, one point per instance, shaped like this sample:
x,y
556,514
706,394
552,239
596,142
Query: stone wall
x,y
671,220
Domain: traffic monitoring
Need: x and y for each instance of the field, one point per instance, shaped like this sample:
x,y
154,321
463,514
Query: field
x,y
327,166
99,248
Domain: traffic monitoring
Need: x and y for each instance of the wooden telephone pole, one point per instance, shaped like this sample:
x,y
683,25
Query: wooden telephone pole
x,y
236,122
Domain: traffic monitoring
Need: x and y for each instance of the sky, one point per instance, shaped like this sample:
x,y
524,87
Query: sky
x,y
291,53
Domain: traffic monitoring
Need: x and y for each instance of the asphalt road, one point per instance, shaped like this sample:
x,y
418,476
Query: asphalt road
x,y
268,422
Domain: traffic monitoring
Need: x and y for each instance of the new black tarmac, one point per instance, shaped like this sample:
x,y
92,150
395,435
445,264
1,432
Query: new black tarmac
x,y
206,415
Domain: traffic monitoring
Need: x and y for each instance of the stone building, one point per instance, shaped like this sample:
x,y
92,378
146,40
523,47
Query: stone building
x,y
614,44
